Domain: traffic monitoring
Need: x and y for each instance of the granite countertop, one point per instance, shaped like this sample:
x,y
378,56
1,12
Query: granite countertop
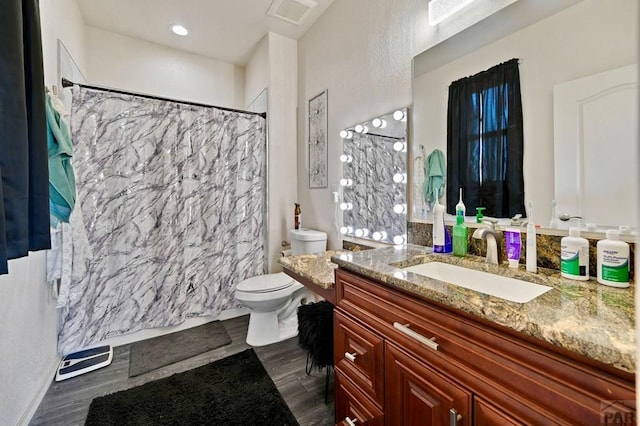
x,y
317,268
581,316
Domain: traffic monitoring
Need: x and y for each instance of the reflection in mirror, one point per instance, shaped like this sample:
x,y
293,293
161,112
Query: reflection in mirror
x,y
546,61
374,179
596,119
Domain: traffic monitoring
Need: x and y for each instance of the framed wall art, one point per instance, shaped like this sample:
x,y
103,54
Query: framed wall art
x,y
318,140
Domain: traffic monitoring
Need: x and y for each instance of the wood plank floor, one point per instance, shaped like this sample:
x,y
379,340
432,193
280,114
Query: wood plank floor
x,y
67,403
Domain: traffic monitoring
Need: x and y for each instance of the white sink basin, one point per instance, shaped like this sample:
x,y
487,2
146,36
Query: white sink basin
x,y
495,285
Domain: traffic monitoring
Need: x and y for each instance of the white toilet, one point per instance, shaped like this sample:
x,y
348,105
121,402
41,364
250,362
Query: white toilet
x,y
274,298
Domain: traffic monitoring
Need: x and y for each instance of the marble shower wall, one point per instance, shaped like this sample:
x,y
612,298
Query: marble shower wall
x,y
372,192
173,198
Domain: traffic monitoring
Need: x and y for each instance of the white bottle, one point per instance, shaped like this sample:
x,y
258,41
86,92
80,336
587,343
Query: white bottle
x,y
532,250
574,257
613,260
438,226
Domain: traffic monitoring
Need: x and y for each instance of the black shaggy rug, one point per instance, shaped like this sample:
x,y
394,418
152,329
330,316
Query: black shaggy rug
x,y
232,391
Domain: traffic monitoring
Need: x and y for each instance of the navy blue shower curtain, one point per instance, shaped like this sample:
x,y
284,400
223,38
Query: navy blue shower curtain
x,y
24,182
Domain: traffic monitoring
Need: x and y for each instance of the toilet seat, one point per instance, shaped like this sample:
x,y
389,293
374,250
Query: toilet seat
x,y
266,283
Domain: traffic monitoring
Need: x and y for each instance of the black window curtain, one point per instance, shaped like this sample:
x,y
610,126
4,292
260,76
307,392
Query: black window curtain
x,y
485,142
24,189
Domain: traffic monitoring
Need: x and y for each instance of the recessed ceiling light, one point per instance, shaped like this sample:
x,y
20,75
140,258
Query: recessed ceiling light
x,y
179,29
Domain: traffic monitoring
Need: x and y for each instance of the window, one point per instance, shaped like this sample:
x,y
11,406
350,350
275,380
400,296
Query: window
x,y
485,142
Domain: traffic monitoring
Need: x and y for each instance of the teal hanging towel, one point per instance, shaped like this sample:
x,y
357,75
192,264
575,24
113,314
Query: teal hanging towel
x,y
62,182
435,172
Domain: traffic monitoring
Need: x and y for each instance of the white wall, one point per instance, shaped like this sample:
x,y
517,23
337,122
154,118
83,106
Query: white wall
x,y
361,52
584,39
282,175
126,63
28,317
61,20
256,74
28,323
274,65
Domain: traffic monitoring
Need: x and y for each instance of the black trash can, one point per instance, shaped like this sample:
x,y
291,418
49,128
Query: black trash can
x,y
315,336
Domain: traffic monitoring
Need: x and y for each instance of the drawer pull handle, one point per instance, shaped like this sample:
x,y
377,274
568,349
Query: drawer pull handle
x,y
419,337
350,357
454,417
350,422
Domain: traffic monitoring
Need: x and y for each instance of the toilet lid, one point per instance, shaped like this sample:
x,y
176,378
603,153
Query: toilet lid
x,y
266,283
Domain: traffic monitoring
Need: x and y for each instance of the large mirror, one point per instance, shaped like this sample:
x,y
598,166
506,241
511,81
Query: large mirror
x,y
374,179
568,41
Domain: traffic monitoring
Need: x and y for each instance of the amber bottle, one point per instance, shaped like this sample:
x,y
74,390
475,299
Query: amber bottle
x,y
296,216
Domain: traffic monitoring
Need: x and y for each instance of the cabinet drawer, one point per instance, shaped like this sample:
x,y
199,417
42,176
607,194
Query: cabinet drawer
x,y
486,414
358,354
353,407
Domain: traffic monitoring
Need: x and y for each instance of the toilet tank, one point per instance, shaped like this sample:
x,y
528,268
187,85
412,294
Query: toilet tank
x,y
307,241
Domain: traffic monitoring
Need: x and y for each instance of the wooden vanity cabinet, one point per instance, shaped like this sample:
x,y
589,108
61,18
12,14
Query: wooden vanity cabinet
x,y
412,362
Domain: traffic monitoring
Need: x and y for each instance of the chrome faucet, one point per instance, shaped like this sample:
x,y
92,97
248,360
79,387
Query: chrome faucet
x,y
489,233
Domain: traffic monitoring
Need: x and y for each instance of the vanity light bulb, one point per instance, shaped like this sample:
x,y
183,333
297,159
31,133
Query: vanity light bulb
x,y
346,134
379,123
346,182
399,146
379,235
344,158
398,239
361,128
364,232
400,208
399,115
400,177
346,230
346,206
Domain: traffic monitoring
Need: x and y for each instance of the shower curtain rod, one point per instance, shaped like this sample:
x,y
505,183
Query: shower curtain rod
x,y
69,83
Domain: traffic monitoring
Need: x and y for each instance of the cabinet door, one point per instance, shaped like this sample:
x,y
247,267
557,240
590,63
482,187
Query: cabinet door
x,y
353,407
417,395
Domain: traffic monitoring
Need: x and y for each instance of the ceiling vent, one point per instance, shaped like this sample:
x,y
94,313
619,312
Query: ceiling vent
x,y
292,11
